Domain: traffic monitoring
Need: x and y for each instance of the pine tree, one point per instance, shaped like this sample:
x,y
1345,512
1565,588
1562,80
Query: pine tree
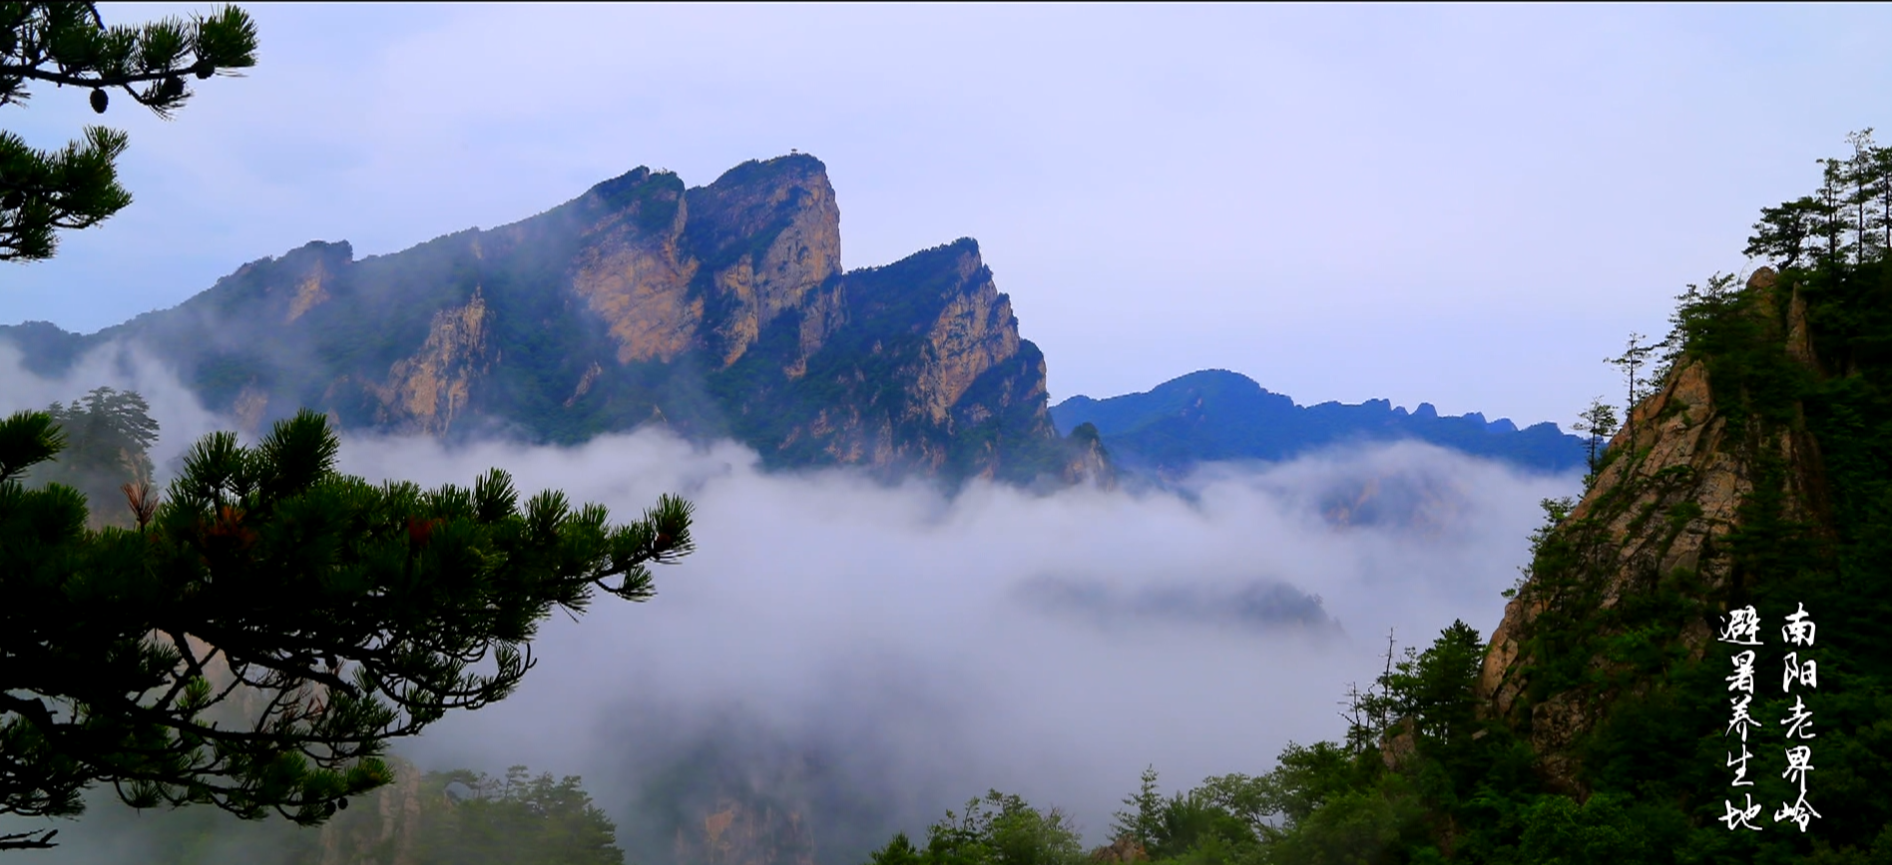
x,y
1782,233
1597,423
1635,355
69,45
1142,818
1859,177
106,457
518,818
271,624
1829,217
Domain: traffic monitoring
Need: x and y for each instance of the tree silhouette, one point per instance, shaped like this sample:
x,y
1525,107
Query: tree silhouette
x,y
271,624
108,436
1597,423
69,45
1635,355
1782,233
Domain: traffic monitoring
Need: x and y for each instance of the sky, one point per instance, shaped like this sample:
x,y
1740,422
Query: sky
x,y
1469,205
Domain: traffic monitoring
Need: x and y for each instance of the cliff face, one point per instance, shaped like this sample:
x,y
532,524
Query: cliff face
x,y
917,365
380,828
719,310
736,834
1653,536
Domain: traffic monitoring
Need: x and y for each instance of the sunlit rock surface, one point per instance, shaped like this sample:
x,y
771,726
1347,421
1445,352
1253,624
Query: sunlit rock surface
x,y
717,311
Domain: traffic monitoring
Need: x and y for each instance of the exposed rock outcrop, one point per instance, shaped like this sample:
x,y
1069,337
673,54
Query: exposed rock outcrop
x,y
1124,850
722,310
1089,461
770,233
1662,508
733,833
426,391
632,273
380,828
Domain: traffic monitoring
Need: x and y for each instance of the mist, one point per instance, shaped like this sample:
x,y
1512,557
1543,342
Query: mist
x,y
892,651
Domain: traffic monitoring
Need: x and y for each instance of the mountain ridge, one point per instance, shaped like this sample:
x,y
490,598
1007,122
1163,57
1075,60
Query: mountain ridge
x,y
718,310
1216,414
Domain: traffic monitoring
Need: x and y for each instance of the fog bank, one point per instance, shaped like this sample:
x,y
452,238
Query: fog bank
x,y
877,654
919,650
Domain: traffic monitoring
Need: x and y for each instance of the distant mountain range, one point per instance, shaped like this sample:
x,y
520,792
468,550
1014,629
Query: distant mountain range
x,y
1217,415
719,310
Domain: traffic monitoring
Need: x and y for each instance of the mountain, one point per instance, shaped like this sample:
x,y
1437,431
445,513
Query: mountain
x,y
1684,483
1216,415
1753,478
719,310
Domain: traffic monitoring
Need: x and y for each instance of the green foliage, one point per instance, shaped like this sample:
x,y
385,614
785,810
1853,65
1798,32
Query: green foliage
x,y
999,829
1783,232
1305,779
259,639
69,45
649,200
1546,545
899,851
1597,423
1197,822
1216,822
1144,819
1436,688
1606,828
1357,826
1633,360
1329,803
432,818
1419,801
479,820
105,456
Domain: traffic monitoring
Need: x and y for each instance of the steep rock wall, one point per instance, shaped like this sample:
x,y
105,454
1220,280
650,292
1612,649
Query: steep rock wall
x,y
719,310
1658,517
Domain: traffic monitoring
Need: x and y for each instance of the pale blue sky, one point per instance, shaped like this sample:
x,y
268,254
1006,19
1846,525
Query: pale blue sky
x,y
1468,205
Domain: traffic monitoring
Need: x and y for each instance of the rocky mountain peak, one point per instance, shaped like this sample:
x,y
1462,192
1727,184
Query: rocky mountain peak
x,y
281,290
720,310
768,233
1678,481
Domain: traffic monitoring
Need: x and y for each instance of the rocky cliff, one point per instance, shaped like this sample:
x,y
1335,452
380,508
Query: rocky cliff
x,y
382,827
734,833
1714,492
719,310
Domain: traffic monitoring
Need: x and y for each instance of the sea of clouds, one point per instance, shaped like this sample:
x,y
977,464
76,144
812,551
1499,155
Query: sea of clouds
x,y
899,650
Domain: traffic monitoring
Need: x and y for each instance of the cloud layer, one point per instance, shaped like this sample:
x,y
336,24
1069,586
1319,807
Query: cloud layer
x,y
920,650
894,652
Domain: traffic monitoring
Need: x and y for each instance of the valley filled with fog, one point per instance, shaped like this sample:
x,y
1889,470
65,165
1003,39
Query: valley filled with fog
x,y
891,651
